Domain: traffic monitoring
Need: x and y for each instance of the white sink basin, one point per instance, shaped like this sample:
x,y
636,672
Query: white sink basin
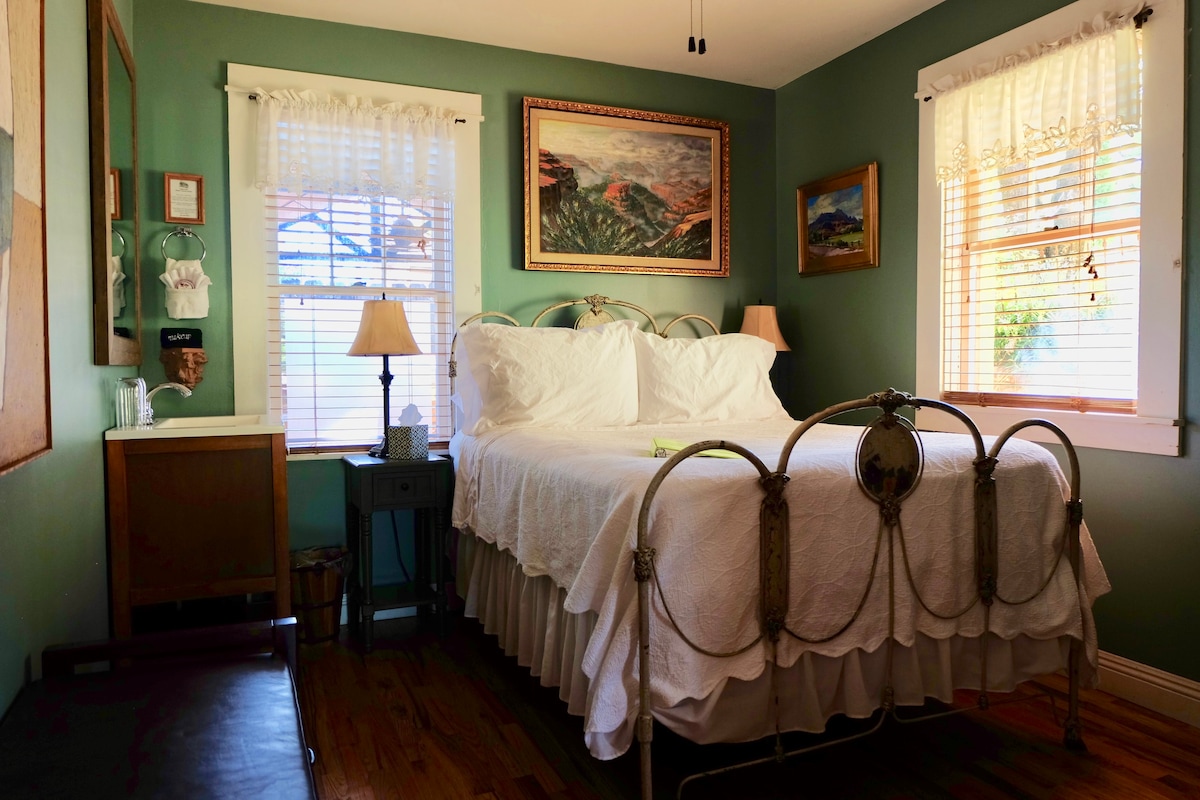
x,y
237,420
180,427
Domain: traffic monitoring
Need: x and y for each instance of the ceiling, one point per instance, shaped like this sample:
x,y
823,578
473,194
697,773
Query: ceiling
x,y
764,43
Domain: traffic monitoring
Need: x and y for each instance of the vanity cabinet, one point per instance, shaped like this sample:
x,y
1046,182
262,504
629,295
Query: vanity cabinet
x,y
195,517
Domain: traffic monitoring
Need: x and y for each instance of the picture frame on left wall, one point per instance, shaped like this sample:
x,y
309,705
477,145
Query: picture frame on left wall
x,y
183,198
24,327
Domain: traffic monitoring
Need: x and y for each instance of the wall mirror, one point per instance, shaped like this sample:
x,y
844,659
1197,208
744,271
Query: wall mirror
x,y
116,288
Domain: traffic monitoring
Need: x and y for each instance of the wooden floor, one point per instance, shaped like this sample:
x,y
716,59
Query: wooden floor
x,y
423,718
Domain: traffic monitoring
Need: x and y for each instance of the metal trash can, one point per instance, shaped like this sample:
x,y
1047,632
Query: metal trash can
x,y
318,581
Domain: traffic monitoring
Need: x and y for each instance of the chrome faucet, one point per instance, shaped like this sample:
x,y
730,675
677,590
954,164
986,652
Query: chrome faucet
x,y
147,411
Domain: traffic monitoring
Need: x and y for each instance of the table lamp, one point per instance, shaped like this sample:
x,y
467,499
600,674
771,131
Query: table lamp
x,y
383,331
761,321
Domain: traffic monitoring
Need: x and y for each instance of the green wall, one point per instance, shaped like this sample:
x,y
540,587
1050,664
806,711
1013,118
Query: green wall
x,y
53,574
855,332
53,567
182,51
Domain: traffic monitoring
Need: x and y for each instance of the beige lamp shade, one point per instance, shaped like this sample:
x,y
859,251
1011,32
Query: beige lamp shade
x,y
383,331
761,321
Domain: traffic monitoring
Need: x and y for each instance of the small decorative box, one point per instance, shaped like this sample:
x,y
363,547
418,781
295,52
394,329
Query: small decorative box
x,y
408,442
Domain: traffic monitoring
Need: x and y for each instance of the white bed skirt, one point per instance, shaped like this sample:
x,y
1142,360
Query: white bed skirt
x,y
526,614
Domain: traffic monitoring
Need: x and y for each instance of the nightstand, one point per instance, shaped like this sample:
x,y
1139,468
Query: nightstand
x,y
377,484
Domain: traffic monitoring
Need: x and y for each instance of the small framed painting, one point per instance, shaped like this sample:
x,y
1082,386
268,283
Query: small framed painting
x,y
184,197
620,190
838,222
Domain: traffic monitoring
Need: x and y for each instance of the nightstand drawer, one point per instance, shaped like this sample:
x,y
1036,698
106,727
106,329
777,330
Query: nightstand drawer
x,y
403,489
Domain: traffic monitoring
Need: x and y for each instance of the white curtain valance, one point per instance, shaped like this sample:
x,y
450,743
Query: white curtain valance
x,y
1040,99
317,142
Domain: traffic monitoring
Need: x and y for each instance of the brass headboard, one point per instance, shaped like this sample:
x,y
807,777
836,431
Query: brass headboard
x,y
594,315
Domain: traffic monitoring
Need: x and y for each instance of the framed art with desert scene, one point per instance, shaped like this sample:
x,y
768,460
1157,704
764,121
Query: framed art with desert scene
x,y
838,222
618,190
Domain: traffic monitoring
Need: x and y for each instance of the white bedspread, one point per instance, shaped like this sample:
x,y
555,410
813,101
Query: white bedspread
x,y
565,504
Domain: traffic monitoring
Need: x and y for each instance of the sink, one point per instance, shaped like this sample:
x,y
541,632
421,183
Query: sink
x,y
181,427
237,420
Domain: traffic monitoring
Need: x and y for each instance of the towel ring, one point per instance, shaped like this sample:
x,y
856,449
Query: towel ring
x,y
186,233
121,239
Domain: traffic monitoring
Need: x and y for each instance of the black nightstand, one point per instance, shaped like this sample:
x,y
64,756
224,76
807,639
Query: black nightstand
x,y
377,484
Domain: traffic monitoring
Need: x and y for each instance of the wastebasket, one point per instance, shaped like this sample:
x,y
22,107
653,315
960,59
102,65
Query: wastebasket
x,y
318,580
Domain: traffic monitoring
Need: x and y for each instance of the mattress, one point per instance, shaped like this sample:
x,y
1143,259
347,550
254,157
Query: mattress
x,y
563,506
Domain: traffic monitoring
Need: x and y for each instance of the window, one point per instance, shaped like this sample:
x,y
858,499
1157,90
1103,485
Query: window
x,y
307,253
1050,228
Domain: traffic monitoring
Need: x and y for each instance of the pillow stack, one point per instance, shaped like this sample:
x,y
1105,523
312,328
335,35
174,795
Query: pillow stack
x,y
608,375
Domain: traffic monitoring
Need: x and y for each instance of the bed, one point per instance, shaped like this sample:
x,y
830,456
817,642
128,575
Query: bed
x,y
633,547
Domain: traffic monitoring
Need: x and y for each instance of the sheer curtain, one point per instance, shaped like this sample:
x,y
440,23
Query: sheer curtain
x,y
358,203
1038,158
349,146
1043,98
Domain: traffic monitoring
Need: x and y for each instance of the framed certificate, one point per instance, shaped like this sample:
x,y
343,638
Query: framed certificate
x,y
184,198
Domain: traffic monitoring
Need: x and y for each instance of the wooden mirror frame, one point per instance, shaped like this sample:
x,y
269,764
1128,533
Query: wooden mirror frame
x,y
104,28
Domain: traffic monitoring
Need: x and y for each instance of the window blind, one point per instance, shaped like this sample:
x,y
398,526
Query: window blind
x,y
1040,280
1041,223
326,254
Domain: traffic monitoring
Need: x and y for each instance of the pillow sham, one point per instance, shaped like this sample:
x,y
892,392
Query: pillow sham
x,y
548,377
717,378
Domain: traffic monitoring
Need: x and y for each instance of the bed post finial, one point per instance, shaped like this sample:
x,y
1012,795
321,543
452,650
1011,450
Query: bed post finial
x,y
891,400
597,301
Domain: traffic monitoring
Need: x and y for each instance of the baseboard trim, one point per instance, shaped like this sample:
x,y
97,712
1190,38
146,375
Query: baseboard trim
x,y
1164,692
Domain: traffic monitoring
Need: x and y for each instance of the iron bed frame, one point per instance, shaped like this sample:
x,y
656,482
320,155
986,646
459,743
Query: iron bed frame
x,y
896,447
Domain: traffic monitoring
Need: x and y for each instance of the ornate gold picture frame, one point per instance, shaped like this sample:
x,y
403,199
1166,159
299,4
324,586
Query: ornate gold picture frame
x,y
837,222
618,190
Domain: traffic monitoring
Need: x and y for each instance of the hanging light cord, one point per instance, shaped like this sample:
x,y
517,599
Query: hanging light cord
x,y
692,28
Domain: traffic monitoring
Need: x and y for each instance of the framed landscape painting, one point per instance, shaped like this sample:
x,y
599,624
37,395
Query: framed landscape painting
x,y
618,190
838,222
24,332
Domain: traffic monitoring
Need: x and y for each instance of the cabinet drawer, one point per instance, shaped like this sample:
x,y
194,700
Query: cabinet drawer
x,y
403,489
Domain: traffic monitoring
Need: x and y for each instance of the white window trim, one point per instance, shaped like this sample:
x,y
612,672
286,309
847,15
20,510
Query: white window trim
x,y
247,225
1157,427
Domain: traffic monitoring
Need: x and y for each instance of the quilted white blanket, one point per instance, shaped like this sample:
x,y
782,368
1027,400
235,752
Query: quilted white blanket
x,y
565,504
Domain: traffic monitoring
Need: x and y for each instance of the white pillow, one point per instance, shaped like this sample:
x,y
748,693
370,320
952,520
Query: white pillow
x,y
548,377
713,379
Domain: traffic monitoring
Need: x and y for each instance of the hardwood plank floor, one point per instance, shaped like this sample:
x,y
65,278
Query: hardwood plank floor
x,y
423,718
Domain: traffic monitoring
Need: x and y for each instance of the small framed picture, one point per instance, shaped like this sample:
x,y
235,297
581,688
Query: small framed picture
x,y
838,222
184,197
114,193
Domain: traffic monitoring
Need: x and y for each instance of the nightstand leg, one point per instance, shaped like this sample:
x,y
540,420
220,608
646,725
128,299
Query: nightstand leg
x,y
421,553
353,592
368,601
439,566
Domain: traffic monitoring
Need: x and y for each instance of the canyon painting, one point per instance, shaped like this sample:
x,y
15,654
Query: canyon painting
x,y
618,190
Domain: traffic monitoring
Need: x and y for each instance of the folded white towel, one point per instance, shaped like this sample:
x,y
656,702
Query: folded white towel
x,y
187,289
117,275
184,274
